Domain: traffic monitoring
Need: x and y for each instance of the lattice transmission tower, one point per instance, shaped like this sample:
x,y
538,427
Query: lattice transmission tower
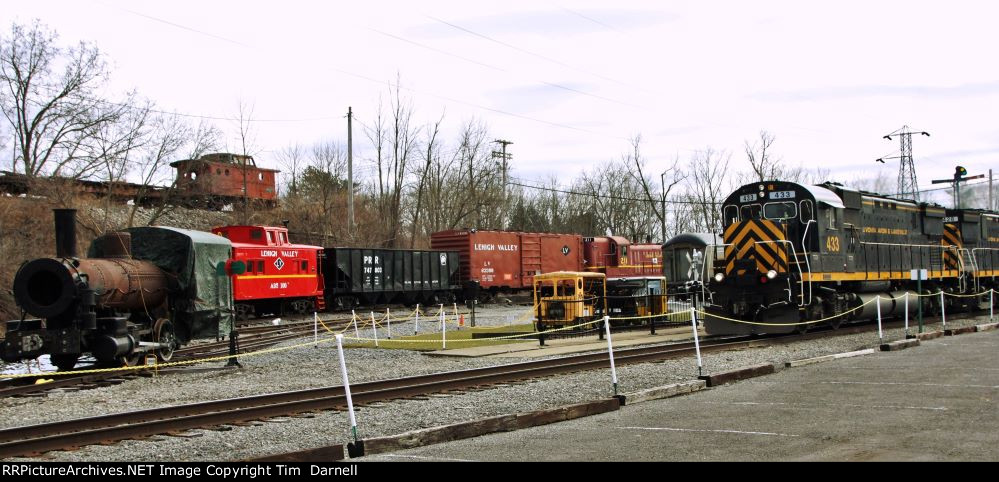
x,y
907,186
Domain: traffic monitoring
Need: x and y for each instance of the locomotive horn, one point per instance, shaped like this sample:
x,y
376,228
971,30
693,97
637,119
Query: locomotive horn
x,y
65,233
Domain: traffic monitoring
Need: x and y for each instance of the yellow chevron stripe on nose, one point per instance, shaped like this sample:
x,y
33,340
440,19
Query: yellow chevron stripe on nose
x,y
748,239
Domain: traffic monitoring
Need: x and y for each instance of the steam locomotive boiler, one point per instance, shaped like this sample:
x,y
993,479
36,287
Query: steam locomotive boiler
x,y
142,291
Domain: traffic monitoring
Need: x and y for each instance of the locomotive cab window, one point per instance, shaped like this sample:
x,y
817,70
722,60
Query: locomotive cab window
x,y
566,288
781,210
260,266
731,214
807,213
751,211
305,266
256,234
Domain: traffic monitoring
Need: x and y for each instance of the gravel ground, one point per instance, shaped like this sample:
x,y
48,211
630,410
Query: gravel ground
x,y
312,367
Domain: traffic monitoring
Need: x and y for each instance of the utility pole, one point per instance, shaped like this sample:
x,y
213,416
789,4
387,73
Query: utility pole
x,y
907,170
350,172
662,180
503,157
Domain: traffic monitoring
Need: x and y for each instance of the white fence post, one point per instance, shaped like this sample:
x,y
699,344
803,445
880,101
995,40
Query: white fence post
x,y
374,328
416,324
315,329
353,317
443,329
346,386
610,353
697,343
388,319
943,314
881,334
991,306
906,313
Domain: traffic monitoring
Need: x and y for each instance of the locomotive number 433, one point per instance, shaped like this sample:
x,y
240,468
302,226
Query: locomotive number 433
x,y
832,244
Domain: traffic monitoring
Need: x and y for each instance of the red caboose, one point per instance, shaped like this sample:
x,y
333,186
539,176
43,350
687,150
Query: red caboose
x,y
280,277
214,180
616,257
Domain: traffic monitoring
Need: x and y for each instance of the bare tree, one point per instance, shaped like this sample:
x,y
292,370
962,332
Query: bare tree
x,y
167,136
656,198
48,95
766,166
707,188
205,138
395,144
291,158
431,152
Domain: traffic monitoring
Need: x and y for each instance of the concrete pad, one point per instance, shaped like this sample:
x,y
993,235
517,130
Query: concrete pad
x,y
659,393
987,327
900,344
820,359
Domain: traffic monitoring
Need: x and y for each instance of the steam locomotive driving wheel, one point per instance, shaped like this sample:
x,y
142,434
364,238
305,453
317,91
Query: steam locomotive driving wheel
x,y
163,334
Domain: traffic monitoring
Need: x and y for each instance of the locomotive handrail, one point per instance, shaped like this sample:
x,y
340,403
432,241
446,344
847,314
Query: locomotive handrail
x,y
801,276
808,264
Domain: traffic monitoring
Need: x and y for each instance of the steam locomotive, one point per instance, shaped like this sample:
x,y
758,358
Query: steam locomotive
x,y
143,291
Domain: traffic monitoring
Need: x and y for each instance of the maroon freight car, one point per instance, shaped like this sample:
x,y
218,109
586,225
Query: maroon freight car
x,y
508,260
617,257
214,180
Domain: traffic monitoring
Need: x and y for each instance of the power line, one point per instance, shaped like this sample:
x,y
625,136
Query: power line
x,y
177,25
619,198
528,52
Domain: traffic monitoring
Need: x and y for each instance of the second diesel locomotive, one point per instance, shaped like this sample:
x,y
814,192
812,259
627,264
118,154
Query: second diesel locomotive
x,y
795,253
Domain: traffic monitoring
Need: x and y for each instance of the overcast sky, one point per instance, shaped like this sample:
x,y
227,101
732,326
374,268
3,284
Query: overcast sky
x,y
569,82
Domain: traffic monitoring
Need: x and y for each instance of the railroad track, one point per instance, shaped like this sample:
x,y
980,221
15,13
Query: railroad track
x,y
37,439
259,338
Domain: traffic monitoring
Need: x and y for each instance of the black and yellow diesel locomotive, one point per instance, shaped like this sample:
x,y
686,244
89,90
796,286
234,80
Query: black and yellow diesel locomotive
x,y
795,253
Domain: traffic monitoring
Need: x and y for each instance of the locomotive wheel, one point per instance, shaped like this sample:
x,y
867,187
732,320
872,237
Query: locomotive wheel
x,y
163,334
64,361
801,329
243,311
129,360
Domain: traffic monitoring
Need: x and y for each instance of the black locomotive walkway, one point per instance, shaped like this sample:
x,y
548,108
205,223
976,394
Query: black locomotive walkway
x,y
938,401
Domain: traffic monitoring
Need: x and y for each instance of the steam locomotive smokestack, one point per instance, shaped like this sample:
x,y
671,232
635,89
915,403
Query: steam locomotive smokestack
x,y
65,233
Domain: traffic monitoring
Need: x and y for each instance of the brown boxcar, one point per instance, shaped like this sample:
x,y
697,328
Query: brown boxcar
x,y
508,260
214,180
615,256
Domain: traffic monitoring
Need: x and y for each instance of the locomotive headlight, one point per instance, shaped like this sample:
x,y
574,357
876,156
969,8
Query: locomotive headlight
x,y
771,274
719,277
